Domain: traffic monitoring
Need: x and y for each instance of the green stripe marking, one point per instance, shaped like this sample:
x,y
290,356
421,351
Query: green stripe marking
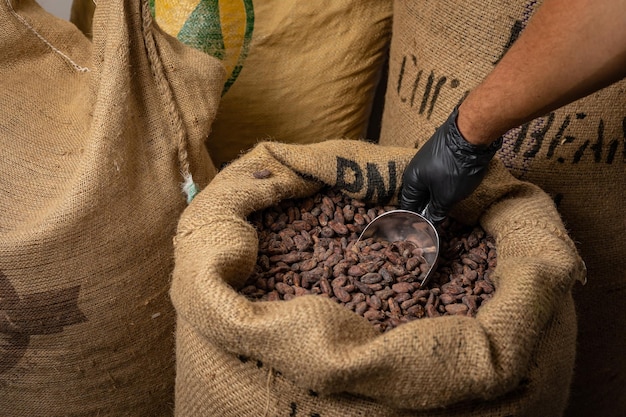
x,y
245,48
203,29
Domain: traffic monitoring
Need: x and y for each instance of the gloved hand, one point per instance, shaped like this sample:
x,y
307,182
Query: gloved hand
x,y
444,171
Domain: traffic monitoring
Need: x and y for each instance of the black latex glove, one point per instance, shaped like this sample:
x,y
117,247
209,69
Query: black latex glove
x,y
444,171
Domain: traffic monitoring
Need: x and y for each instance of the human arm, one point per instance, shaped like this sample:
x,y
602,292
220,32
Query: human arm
x,y
569,49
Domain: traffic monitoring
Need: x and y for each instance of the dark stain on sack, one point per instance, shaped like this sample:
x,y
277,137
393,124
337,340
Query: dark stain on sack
x,y
293,406
40,313
294,411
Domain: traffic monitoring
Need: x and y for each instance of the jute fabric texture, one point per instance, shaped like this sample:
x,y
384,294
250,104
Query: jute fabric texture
x,y
96,140
577,154
312,356
297,71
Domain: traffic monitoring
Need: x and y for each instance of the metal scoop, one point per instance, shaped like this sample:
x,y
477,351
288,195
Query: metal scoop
x,y
401,225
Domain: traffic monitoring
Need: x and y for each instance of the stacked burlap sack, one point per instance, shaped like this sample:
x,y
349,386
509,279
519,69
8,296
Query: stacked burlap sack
x,y
94,139
297,71
577,154
312,356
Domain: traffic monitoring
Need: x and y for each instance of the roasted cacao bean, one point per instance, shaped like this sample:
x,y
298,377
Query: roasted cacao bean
x,y
308,247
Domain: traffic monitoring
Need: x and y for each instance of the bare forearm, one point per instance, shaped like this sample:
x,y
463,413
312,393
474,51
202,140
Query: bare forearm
x,y
569,49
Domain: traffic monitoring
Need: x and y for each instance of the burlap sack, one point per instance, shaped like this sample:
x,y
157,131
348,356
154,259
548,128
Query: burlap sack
x,y
297,71
577,154
311,356
94,139
81,14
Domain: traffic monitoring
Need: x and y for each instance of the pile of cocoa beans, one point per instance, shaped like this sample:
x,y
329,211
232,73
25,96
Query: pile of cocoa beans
x,y
308,246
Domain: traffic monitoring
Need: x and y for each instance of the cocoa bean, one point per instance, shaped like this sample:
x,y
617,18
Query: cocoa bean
x,y
308,247
452,288
301,242
372,314
308,265
337,227
356,271
357,297
371,278
361,308
386,275
299,291
271,280
273,296
325,286
457,309
471,302
431,311
333,259
401,287
447,298
283,288
402,297
385,293
339,281
297,280
328,207
364,288
350,288
262,174
486,287
374,302
248,290
261,283
408,278
467,261
408,303
394,308
341,294
348,213
416,311
413,263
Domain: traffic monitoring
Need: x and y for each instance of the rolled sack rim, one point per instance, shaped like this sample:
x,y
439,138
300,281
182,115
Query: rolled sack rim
x,y
488,355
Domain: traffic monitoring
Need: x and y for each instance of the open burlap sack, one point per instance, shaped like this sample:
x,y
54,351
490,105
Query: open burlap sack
x,y
577,154
311,356
94,139
297,71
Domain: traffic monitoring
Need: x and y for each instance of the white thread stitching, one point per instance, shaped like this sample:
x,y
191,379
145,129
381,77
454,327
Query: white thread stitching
x,y
44,40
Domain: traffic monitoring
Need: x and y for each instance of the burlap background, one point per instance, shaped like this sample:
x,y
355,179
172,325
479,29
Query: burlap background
x,y
297,71
577,154
240,358
81,14
94,137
